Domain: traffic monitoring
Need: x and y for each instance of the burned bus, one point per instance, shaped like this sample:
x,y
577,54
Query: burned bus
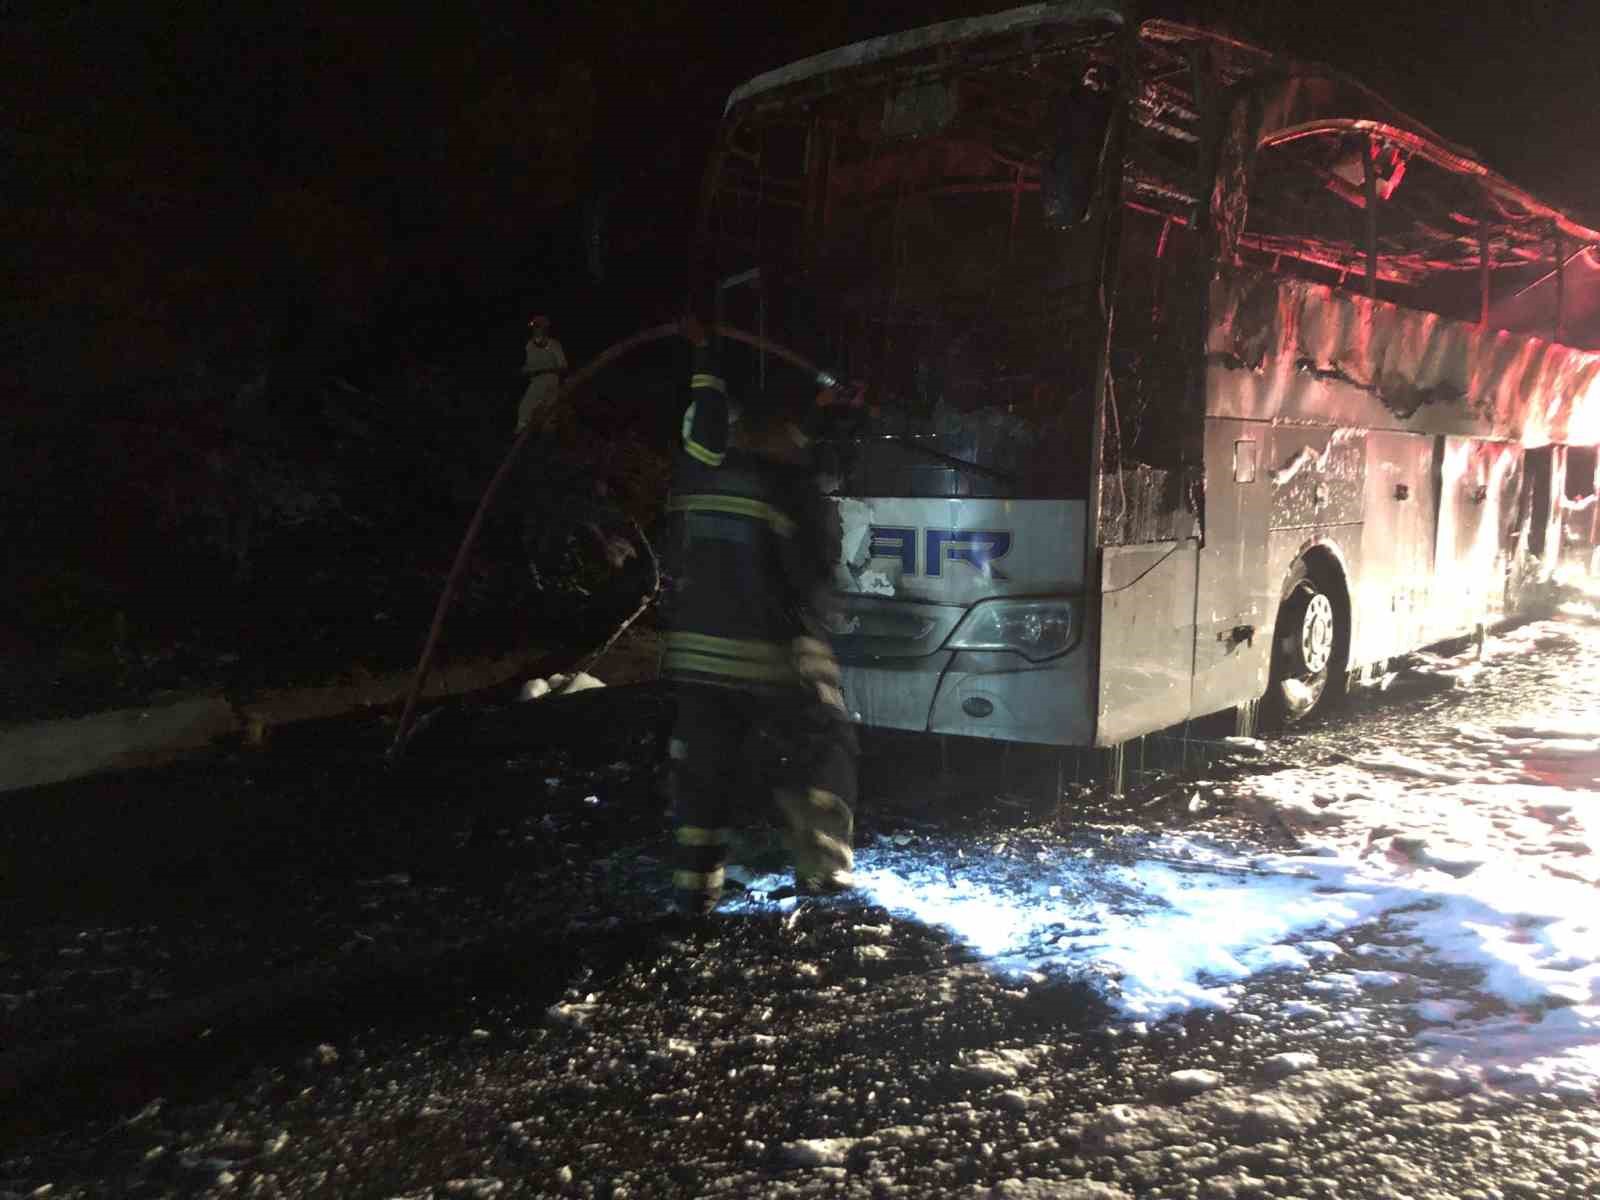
x,y
1190,385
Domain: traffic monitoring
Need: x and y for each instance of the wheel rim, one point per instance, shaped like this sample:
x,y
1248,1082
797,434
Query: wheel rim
x,y
1306,649
1316,634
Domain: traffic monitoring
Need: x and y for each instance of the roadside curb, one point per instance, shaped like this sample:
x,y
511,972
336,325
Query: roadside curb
x,y
43,752
229,1024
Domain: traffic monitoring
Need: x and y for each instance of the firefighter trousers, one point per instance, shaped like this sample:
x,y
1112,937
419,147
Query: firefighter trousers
x,y
733,752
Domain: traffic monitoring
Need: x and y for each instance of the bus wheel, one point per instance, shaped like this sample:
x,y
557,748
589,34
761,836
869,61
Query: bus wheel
x,y
1310,643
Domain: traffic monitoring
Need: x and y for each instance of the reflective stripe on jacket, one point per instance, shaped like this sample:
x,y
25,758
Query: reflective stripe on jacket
x,y
745,554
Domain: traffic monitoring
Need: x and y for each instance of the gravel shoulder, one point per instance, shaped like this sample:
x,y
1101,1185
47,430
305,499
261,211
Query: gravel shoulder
x,y
518,1022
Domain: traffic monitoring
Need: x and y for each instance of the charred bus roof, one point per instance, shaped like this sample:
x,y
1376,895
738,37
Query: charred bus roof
x,y
1441,209
1018,29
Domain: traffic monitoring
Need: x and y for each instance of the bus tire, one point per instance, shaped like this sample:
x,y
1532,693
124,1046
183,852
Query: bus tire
x,y
1310,643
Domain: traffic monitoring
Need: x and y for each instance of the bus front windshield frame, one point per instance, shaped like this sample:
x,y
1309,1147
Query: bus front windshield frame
x,y
939,236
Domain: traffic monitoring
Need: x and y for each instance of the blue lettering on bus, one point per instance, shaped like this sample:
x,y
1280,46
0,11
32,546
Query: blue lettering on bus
x,y
895,541
979,549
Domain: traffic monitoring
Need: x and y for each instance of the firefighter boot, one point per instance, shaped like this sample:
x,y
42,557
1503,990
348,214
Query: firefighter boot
x,y
698,877
700,834
820,825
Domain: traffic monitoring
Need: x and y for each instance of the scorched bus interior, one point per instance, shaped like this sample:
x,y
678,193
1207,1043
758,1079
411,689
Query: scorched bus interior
x,y
896,230
1307,385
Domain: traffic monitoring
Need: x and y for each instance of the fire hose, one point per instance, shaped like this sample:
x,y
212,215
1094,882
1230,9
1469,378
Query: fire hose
x,y
573,382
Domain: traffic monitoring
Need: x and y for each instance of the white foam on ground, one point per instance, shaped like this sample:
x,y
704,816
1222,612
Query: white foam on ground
x,y
559,685
1484,849
1536,942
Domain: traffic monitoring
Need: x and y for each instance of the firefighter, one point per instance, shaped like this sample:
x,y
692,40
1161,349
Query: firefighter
x,y
543,365
759,710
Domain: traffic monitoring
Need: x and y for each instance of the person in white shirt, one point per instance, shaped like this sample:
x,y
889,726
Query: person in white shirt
x,y
543,366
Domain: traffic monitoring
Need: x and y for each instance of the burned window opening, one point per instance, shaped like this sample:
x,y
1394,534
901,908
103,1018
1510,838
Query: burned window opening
x,y
1304,222
1149,461
896,212
1581,482
918,256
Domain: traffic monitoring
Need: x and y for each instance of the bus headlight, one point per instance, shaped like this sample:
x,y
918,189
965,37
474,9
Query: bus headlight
x,y
1035,629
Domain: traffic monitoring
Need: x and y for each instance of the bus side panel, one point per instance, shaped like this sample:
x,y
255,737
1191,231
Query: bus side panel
x,y
1146,637
1317,475
1236,603
1479,483
1393,588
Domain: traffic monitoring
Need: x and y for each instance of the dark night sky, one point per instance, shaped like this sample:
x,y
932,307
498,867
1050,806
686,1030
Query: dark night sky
x,y
193,185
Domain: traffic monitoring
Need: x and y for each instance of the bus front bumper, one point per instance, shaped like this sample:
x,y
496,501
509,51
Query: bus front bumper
x,y
993,695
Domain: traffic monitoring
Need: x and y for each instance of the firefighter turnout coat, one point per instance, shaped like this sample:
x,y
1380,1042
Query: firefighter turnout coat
x,y
759,709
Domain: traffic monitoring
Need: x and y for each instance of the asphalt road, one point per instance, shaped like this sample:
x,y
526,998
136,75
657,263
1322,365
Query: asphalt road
x,y
299,974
